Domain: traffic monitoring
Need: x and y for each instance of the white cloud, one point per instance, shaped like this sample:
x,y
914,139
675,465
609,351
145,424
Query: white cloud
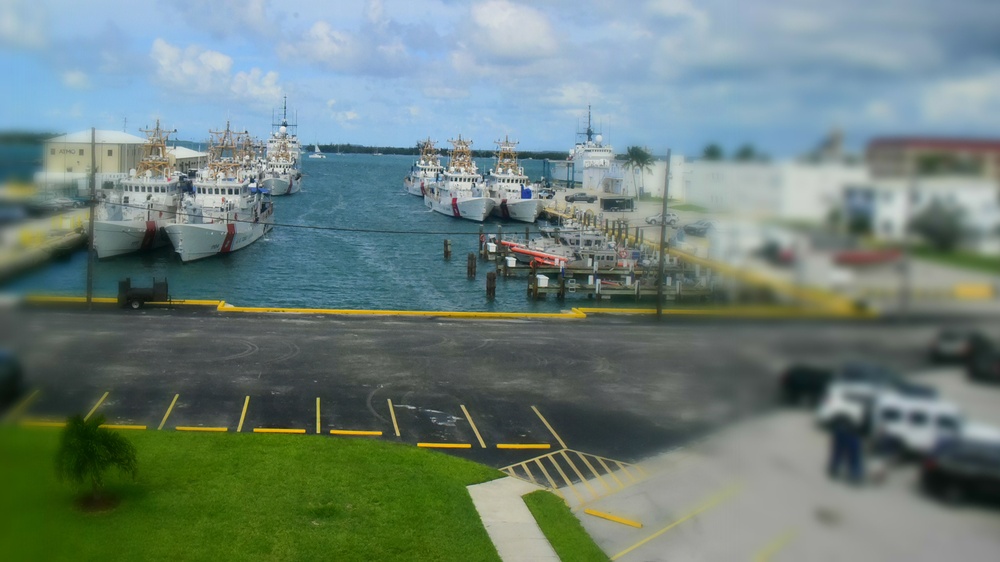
x,y
225,18
679,9
76,79
438,91
373,51
23,24
345,119
194,70
508,32
963,101
573,96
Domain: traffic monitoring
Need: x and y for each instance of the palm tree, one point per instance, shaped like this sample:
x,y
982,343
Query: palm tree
x,y
639,160
712,152
87,451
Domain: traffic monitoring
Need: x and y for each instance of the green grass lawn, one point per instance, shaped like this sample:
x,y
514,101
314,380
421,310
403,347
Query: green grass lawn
x,y
964,260
562,528
252,497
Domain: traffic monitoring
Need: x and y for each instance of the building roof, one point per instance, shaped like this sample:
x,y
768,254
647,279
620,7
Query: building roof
x,y
102,137
181,152
989,145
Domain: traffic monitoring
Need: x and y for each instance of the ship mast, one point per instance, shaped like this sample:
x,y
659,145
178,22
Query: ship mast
x,y
155,159
507,156
461,155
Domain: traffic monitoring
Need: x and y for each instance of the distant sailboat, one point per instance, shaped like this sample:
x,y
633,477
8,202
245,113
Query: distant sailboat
x,y
316,153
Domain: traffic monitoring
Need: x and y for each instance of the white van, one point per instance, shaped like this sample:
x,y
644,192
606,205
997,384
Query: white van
x,y
915,423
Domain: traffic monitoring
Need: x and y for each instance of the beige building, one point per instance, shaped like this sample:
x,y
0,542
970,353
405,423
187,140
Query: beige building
x,y
185,160
116,152
904,157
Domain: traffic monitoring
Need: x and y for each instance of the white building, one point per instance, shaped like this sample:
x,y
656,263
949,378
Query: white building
x,y
802,191
66,159
889,205
186,160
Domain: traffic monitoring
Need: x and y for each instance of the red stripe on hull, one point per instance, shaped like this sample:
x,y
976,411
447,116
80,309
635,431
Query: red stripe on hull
x,y
454,207
150,234
227,244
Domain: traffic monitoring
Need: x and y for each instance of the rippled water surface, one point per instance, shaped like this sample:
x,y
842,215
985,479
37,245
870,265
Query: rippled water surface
x,y
322,268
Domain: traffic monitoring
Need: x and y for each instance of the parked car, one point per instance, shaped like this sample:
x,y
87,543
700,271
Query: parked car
x,y
804,383
854,388
963,469
671,219
546,193
580,196
957,346
11,383
914,424
701,228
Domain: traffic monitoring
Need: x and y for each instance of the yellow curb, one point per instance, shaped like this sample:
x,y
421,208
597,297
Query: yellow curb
x,y
523,446
445,445
277,430
614,518
203,429
355,432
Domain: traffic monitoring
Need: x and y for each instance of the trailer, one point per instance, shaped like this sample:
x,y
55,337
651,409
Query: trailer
x,y
136,297
613,204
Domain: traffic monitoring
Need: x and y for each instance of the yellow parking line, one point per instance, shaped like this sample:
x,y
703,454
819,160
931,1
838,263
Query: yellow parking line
x,y
613,475
317,414
715,500
119,426
243,416
614,518
523,446
524,467
566,479
474,428
578,473
354,432
392,413
22,405
445,445
591,467
546,473
202,429
770,549
625,470
546,422
170,409
96,406
278,430
41,423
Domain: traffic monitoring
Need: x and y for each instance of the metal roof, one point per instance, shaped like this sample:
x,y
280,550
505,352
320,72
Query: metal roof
x,y
185,152
102,137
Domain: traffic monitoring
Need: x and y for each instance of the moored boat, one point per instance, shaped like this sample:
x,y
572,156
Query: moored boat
x,y
223,213
426,170
461,192
281,168
131,217
513,197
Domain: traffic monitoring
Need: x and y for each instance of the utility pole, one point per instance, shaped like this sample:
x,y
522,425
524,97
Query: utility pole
x,y
905,266
663,241
90,220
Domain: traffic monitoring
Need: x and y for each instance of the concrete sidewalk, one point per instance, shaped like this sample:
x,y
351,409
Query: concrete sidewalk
x,y
511,527
758,491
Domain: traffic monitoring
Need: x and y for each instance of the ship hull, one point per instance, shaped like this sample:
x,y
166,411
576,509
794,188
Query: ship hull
x,y
469,208
198,241
116,238
523,210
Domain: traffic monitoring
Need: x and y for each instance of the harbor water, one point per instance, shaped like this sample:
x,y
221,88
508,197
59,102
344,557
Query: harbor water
x,y
351,239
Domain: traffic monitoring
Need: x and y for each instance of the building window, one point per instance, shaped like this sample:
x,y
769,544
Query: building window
x,y
109,152
82,152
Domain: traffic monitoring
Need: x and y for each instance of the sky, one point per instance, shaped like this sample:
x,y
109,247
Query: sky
x,y
675,74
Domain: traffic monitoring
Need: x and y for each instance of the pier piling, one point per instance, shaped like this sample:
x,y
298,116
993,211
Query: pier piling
x,y
447,249
491,285
471,268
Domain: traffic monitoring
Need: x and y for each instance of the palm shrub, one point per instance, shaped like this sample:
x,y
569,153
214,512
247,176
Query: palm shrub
x,y
87,451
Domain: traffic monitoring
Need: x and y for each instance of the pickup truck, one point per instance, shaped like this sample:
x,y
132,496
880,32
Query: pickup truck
x,y
580,196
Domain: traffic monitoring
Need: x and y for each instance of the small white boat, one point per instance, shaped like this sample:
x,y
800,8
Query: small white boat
x,y
461,192
316,153
223,213
509,188
425,171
